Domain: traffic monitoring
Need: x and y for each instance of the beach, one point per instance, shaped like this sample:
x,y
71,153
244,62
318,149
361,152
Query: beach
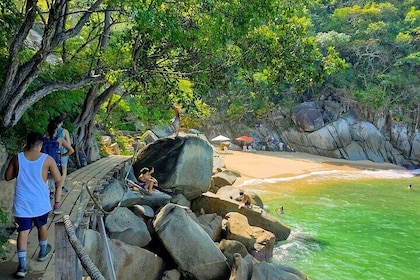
x,y
266,164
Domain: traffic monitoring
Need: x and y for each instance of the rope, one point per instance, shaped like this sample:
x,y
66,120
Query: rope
x,y
87,263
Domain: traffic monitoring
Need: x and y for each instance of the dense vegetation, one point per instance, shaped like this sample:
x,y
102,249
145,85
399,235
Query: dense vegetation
x,y
116,62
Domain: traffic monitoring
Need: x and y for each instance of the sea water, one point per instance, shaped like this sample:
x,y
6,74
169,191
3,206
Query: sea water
x,y
347,224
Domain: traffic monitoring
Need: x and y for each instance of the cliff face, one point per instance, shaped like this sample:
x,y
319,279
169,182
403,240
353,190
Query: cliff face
x,y
336,129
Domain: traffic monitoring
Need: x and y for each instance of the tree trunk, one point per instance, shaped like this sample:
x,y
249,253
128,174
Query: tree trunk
x,y
85,139
14,98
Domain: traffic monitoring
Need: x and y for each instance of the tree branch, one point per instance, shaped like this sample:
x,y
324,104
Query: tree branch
x,y
14,115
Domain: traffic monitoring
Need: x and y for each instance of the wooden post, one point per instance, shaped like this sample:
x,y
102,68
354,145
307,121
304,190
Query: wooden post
x,y
67,265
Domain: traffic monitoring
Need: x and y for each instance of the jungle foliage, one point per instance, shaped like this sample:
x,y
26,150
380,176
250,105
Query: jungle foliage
x,y
116,63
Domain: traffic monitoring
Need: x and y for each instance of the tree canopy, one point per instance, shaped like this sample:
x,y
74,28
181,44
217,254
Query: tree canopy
x,y
121,60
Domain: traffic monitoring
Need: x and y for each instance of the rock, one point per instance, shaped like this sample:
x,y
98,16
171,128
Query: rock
x,y
106,140
115,148
233,192
218,161
149,137
181,200
123,225
222,179
231,247
307,117
113,192
250,268
162,131
212,203
348,138
259,242
143,211
182,164
191,248
172,274
128,260
212,224
116,192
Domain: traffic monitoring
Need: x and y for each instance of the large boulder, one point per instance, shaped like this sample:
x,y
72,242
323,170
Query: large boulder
x,y
307,117
250,268
127,260
231,247
259,242
222,179
212,224
234,193
116,193
349,138
211,203
182,164
189,245
124,225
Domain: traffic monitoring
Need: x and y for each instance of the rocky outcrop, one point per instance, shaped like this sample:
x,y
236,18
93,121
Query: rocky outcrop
x,y
259,242
117,193
334,128
182,164
184,233
308,117
195,253
250,268
125,226
347,138
221,179
211,203
128,260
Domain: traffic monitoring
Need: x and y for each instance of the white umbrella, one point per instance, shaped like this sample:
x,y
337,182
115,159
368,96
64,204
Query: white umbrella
x,y
220,138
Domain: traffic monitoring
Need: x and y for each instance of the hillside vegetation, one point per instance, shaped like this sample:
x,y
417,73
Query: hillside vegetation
x,y
119,65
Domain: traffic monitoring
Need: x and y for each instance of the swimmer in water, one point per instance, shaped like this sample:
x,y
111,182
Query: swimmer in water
x,y
280,210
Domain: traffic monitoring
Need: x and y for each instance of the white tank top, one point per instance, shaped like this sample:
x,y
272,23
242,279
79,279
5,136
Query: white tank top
x,y
31,192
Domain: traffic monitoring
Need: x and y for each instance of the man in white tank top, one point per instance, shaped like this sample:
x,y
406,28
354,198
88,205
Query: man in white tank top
x,y
31,204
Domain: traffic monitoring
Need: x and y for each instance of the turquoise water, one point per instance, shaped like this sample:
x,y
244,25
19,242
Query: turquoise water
x,y
347,224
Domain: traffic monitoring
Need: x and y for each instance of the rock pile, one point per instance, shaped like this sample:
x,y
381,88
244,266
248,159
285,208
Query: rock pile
x,y
186,231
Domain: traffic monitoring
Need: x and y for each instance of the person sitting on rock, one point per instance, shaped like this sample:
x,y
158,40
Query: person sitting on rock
x,y
145,179
245,199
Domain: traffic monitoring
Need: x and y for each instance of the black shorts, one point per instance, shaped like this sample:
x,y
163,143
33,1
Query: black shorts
x,y
27,223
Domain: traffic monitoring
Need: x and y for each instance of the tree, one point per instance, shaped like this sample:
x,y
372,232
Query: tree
x,y
16,96
157,53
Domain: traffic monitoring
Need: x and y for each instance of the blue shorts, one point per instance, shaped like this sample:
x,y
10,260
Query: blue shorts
x,y
64,161
142,184
28,223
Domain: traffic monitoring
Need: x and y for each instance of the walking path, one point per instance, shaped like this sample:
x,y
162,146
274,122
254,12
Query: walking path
x,y
95,175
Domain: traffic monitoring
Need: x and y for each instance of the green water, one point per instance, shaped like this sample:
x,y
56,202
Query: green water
x,y
348,225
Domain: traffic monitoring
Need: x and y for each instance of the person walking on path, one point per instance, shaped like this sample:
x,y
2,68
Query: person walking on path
x,y
64,134
31,204
51,139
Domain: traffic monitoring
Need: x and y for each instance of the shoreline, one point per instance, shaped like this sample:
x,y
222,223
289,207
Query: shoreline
x,y
267,164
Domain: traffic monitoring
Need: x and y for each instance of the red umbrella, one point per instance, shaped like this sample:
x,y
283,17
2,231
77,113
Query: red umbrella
x,y
245,138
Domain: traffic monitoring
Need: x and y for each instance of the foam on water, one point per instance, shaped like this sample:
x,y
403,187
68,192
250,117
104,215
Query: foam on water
x,y
339,175
297,246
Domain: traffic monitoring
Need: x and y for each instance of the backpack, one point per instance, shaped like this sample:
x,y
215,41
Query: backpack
x,y
52,148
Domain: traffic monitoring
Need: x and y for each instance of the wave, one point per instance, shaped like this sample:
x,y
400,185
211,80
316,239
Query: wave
x,y
339,175
297,246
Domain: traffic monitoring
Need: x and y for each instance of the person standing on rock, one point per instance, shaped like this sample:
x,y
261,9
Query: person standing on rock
x,y
31,204
176,121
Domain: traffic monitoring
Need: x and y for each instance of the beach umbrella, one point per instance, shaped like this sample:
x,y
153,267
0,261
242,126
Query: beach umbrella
x,y
246,139
220,138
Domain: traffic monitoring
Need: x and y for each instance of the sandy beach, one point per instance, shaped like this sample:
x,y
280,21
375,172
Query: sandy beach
x,y
264,164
